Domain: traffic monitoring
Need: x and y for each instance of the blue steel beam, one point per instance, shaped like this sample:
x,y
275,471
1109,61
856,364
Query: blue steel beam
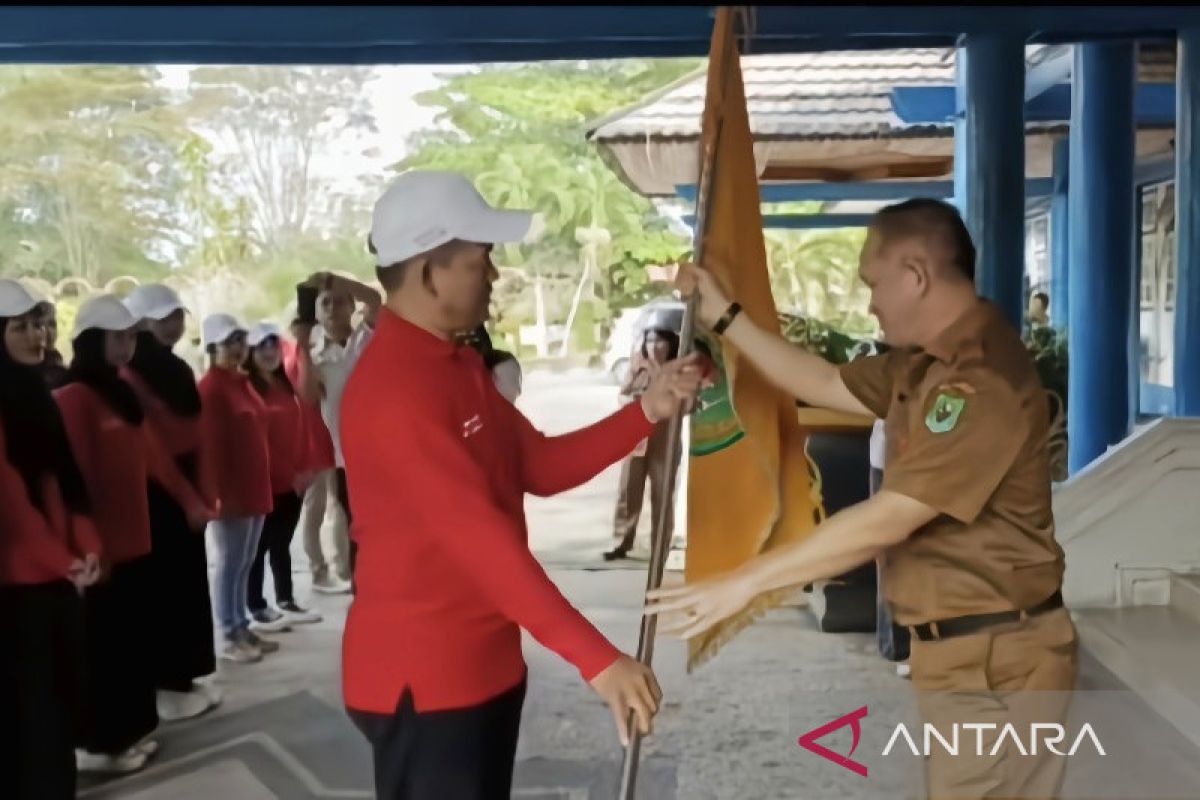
x,y
806,222
995,167
926,105
1187,227
1060,236
1102,214
349,34
864,190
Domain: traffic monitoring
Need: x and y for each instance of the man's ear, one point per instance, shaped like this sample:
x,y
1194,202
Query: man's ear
x,y
922,268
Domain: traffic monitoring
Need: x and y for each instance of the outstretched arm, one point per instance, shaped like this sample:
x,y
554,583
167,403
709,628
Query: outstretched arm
x,y
791,369
554,464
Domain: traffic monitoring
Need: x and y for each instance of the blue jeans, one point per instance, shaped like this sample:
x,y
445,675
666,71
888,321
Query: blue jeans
x,y
235,543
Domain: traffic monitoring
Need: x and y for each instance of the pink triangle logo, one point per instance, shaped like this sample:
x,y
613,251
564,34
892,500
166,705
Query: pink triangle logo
x,y
809,740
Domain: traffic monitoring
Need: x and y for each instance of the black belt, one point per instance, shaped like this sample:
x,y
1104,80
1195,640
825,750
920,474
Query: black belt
x,y
973,623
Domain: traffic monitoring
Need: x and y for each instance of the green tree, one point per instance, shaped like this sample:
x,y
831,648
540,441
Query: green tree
x,y
519,132
87,177
267,124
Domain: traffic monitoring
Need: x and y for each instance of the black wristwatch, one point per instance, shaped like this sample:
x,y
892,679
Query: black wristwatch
x,y
727,318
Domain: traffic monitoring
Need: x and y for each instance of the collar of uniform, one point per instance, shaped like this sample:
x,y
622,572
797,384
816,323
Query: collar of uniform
x,y
964,336
394,329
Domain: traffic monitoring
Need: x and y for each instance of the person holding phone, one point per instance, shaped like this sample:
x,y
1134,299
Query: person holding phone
x,y
328,347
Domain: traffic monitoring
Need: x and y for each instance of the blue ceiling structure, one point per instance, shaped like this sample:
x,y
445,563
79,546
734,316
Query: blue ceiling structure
x,y
472,34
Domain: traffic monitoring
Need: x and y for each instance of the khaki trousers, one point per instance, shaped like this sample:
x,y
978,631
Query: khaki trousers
x,y
1019,673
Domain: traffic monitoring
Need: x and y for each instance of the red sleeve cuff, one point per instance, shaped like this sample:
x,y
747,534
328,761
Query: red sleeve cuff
x,y
603,657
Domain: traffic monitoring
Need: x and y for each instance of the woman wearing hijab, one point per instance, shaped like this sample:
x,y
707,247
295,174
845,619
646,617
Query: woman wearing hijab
x,y
182,616
649,460
287,444
49,553
53,368
117,455
235,432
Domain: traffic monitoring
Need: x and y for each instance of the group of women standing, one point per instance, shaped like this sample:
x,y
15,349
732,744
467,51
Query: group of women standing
x,y
110,470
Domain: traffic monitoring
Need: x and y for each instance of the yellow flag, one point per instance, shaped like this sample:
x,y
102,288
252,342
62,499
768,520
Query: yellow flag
x,y
751,486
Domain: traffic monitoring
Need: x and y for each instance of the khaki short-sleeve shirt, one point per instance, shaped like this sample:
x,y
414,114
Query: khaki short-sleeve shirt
x,y
966,424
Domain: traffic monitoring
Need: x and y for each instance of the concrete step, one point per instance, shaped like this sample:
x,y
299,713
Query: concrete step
x,y
1185,595
1153,651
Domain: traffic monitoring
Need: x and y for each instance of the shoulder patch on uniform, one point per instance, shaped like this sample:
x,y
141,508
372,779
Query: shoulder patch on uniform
x,y
945,412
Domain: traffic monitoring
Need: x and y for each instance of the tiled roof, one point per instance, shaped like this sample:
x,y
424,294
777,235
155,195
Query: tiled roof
x,y
818,96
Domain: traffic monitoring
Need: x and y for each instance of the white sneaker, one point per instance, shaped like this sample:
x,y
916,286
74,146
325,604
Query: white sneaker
x,y
904,671
330,585
260,644
176,706
130,761
241,652
269,621
147,748
215,696
297,615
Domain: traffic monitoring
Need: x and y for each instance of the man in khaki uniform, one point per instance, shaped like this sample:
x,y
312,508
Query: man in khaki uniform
x,y
963,519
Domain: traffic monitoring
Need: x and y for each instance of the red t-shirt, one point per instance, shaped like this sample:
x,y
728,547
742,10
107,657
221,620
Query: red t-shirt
x,y
286,441
234,426
318,453
438,464
116,459
38,547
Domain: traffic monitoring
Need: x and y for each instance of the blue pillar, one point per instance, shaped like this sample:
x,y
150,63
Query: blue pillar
x,y
995,165
1102,217
1060,236
1187,227
960,133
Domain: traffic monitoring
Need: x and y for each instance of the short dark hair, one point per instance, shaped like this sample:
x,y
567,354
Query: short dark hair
x,y
1045,298
391,277
934,219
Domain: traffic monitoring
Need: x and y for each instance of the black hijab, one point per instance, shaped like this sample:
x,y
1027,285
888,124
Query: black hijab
x,y
167,375
35,437
91,368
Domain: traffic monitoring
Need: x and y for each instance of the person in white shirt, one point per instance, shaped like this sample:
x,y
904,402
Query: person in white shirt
x,y
327,355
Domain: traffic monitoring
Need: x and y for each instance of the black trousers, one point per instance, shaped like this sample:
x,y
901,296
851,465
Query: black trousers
x,y
120,669
275,543
180,612
461,754
343,496
41,689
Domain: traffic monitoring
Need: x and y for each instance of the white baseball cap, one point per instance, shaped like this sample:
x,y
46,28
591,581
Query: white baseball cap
x,y
422,210
105,313
153,301
17,299
261,332
217,328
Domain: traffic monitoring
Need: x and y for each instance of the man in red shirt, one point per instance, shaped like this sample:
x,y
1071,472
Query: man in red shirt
x,y
438,463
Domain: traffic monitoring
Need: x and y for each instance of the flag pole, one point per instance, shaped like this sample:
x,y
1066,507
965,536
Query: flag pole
x,y
660,546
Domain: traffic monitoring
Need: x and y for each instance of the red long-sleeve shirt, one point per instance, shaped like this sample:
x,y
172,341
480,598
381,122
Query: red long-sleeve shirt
x,y
116,459
318,453
235,436
178,435
37,547
438,464
286,442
